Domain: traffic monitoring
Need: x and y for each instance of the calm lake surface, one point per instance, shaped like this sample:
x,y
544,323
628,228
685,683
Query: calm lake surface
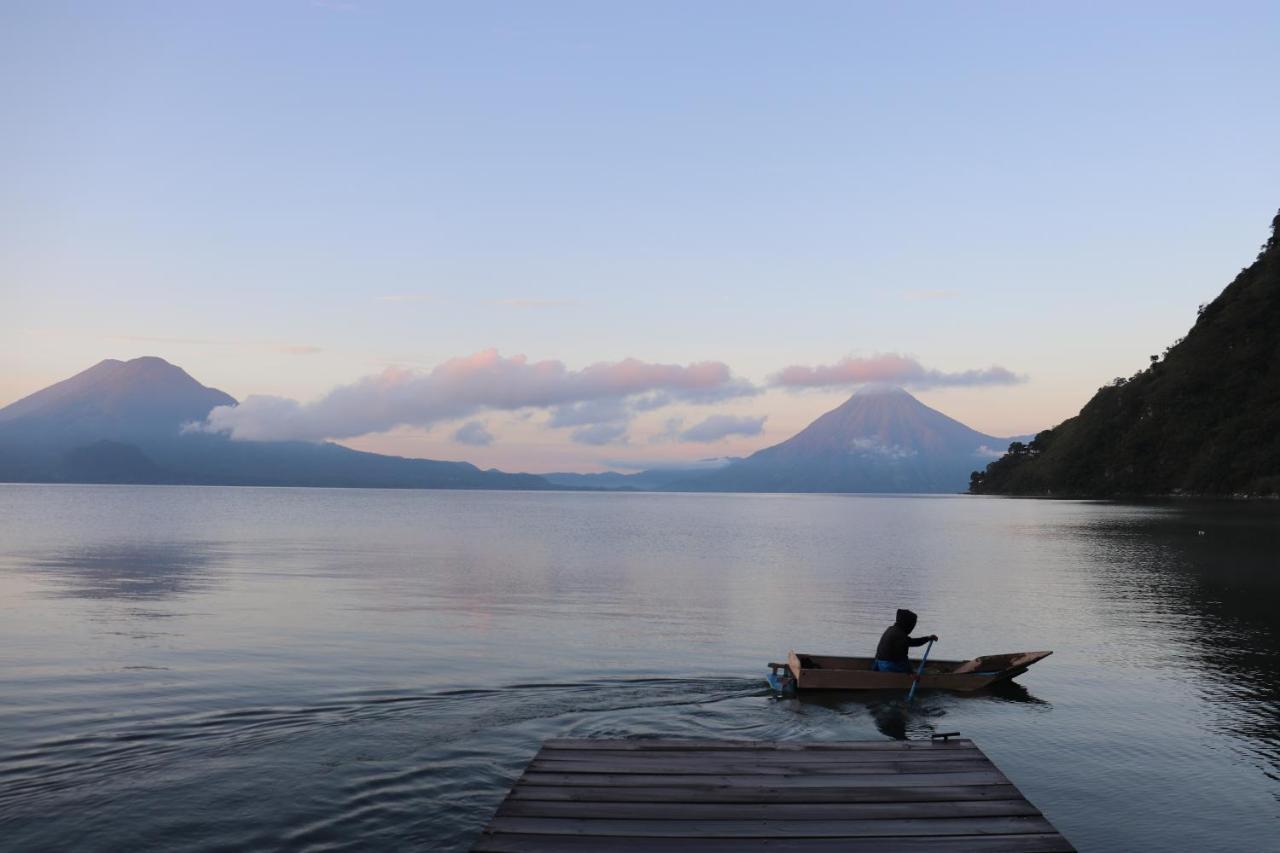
x,y
304,669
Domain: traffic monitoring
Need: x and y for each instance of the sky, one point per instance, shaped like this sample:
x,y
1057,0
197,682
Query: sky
x,y
578,236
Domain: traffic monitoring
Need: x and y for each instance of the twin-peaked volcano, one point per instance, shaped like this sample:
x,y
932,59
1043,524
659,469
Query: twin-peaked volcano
x,y
115,400
122,422
881,439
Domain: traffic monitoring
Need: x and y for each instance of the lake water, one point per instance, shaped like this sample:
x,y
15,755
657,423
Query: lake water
x,y
306,669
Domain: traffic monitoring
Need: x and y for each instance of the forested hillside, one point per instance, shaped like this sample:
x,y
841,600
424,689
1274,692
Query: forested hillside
x,y
1202,418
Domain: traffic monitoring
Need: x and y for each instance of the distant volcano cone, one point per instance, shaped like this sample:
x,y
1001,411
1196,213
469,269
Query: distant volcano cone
x,y
116,400
881,439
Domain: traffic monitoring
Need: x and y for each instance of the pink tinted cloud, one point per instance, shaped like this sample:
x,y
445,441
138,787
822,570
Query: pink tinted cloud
x,y
460,387
890,368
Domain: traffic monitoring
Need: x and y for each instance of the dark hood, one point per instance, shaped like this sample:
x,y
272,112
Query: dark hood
x,y
906,620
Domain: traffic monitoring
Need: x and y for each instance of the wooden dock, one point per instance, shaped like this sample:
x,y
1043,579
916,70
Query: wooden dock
x,y
675,795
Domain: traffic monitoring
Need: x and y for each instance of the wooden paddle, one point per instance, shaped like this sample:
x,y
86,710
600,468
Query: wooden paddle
x,y
911,694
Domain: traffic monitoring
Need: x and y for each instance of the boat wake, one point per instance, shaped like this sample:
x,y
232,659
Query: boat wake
x,y
385,769
33,774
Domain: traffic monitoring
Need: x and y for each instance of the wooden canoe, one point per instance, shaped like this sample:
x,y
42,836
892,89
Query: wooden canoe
x,y
829,672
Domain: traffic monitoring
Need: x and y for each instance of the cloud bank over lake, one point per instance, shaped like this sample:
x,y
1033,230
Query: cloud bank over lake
x,y
594,405
606,393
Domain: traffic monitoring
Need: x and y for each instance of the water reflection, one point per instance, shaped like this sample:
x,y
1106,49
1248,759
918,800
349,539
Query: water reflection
x,y
1206,579
150,571
895,718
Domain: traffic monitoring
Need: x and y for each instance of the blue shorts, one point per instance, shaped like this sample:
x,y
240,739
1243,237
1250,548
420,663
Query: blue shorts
x,y
889,666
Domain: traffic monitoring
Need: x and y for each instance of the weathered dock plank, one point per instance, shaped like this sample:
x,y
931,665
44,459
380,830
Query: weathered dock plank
x,y
673,795
647,744
719,767
673,828
801,780
829,756
767,811
511,843
713,793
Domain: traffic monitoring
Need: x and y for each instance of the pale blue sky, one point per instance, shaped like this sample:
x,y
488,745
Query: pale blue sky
x,y
238,186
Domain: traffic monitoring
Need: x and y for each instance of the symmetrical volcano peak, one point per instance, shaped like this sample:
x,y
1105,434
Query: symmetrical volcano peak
x,y
882,439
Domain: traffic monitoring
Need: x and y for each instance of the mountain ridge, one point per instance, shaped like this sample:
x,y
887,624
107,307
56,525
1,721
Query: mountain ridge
x,y
122,422
1201,419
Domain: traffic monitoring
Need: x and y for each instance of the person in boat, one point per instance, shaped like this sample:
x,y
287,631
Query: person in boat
x,y
891,654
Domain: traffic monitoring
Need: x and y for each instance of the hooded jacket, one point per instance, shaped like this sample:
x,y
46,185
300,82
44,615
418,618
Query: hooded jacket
x,y
896,639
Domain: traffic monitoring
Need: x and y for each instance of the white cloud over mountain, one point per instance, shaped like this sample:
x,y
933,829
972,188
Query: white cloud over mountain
x,y
890,368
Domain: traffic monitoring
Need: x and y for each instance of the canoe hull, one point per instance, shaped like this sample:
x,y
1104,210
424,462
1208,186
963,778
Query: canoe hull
x,y
827,672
